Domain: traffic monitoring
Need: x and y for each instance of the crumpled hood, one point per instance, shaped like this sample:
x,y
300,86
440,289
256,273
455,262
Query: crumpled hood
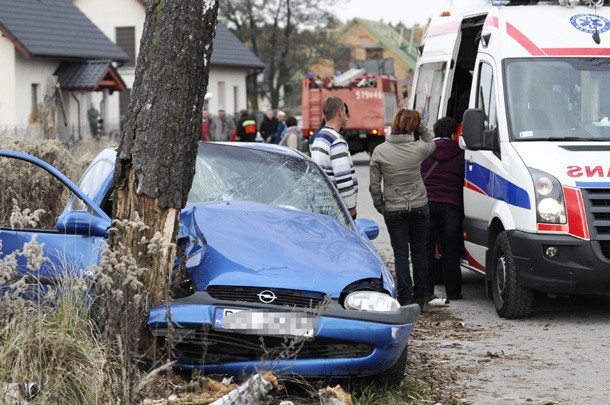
x,y
446,149
253,244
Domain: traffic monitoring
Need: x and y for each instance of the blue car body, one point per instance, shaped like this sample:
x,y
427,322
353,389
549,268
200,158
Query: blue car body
x,y
249,259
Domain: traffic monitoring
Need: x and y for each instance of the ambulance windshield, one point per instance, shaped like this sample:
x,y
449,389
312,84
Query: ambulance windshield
x,y
558,99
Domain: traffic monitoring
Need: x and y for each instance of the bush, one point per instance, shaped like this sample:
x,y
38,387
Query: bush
x,y
23,184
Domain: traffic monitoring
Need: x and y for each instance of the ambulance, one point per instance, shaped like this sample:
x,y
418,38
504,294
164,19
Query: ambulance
x,y
530,83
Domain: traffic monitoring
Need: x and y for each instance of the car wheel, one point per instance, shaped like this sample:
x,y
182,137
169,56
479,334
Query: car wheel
x,y
512,301
392,377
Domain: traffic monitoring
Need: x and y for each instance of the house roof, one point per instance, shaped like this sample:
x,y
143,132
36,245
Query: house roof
x,y
388,37
54,29
228,50
92,75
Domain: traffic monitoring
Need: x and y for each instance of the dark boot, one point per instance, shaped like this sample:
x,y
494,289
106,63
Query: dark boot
x,y
405,299
423,300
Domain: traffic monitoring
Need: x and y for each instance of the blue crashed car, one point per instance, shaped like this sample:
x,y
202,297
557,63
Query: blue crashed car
x,y
278,274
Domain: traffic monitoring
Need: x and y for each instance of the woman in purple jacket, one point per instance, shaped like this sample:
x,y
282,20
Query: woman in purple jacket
x,y
443,173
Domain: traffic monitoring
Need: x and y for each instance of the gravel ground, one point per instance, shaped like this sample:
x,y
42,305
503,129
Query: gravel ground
x,y
559,355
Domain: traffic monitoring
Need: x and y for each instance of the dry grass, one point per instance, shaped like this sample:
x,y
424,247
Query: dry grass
x,y
48,341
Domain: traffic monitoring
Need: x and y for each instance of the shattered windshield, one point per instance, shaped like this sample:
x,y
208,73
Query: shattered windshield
x,y
558,99
233,173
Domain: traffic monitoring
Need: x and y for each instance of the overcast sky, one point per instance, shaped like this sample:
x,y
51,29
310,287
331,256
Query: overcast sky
x,y
408,12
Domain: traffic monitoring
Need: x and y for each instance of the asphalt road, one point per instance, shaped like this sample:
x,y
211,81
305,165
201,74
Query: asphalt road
x,y
559,355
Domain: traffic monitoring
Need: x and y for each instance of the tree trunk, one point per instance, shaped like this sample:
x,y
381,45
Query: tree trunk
x,y
156,156
49,108
252,90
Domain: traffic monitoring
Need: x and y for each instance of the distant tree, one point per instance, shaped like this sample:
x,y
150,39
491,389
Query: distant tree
x,y
287,35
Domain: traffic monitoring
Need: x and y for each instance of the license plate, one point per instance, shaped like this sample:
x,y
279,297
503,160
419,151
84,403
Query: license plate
x,y
265,323
362,136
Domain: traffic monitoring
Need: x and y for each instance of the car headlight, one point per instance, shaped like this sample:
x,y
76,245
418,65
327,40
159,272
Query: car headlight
x,y
371,301
550,206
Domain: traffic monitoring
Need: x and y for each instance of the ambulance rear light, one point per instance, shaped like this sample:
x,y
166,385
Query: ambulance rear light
x,y
446,14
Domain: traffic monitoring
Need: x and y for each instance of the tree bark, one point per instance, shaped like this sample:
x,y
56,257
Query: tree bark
x,y
49,108
156,156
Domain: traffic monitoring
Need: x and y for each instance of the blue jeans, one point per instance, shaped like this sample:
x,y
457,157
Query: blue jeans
x,y
446,228
407,231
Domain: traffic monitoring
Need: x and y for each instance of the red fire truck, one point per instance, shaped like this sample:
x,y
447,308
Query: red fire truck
x,y
372,102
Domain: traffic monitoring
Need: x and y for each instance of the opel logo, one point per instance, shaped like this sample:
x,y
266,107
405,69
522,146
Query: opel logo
x,y
266,296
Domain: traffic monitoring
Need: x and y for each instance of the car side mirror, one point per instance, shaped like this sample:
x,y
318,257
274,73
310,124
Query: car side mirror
x,y
472,128
82,223
368,227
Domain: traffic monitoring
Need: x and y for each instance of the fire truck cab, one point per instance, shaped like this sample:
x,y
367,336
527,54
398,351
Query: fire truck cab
x,y
535,77
372,101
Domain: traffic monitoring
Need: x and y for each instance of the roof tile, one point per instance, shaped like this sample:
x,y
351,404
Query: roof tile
x,y
56,28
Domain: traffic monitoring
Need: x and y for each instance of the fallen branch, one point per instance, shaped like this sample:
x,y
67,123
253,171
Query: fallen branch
x,y
254,391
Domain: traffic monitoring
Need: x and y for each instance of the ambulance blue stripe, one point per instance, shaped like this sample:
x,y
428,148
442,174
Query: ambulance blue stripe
x,y
590,184
497,187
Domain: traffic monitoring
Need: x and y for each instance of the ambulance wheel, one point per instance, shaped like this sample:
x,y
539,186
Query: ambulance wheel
x,y
511,300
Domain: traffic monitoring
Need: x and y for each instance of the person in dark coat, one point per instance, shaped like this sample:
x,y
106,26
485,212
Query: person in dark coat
x,y
281,127
246,127
268,126
444,179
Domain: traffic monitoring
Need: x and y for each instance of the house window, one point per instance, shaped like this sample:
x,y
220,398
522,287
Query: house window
x,y
342,57
374,52
126,40
222,97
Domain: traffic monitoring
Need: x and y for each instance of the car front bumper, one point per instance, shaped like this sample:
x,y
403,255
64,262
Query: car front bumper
x,y
383,336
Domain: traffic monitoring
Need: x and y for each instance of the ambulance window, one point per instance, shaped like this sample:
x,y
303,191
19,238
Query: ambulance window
x,y
429,90
486,96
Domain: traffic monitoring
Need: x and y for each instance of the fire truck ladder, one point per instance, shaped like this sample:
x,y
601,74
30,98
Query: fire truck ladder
x,y
315,106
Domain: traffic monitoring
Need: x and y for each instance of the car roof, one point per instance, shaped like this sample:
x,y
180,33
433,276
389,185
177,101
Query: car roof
x,y
110,153
267,147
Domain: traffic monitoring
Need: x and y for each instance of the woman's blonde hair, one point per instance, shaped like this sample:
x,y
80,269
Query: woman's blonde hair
x,y
405,121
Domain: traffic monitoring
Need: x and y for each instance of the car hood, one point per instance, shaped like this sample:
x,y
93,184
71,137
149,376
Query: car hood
x,y
246,243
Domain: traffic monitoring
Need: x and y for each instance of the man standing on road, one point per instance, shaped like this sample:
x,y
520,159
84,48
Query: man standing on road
x,y
222,127
93,115
330,151
205,126
246,127
268,127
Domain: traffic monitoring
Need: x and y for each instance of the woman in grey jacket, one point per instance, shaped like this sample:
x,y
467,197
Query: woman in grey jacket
x,y
399,194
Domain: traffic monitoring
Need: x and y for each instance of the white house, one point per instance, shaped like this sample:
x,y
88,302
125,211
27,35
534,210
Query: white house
x,y
92,46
